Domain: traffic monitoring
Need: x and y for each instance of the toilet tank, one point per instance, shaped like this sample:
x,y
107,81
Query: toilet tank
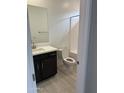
x,y
63,52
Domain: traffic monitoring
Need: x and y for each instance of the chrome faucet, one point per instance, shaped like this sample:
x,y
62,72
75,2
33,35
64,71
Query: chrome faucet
x,y
33,45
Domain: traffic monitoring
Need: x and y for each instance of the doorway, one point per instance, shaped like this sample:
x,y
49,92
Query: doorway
x,y
85,41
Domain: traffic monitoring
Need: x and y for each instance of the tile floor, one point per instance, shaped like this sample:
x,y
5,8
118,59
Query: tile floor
x,y
63,82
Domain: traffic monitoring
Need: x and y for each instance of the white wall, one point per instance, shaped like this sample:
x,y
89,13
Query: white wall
x,y
59,12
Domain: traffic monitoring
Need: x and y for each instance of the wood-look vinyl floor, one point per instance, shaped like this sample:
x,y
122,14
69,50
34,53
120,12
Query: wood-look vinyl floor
x,y
63,82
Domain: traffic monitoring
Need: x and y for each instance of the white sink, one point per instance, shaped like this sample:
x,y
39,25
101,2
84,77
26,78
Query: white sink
x,y
44,49
38,49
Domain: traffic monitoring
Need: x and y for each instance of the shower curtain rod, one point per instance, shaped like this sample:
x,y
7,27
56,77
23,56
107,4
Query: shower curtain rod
x,y
71,19
74,16
71,25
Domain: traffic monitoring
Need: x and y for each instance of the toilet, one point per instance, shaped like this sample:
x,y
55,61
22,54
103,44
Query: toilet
x,y
64,55
69,61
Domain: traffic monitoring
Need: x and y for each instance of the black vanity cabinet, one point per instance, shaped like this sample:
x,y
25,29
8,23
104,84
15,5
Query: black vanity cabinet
x,y
38,68
45,65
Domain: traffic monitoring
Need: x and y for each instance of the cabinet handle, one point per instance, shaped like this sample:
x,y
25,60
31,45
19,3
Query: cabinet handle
x,y
38,66
78,62
33,76
42,66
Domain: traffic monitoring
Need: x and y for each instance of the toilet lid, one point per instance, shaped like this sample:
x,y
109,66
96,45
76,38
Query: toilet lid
x,y
70,60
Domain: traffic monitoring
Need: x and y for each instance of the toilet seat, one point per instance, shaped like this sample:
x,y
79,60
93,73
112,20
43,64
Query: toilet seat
x,y
70,60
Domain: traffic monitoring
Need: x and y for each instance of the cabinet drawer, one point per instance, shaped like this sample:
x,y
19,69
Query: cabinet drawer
x,y
41,56
44,56
52,54
37,57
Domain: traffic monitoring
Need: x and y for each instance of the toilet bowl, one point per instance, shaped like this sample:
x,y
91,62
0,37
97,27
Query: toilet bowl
x,y
69,61
66,59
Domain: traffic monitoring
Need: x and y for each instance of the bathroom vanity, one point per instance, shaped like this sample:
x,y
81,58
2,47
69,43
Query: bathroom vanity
x,y
45,62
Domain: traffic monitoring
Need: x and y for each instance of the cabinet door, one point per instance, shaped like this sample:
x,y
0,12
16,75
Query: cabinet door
x,y
50,65
38,68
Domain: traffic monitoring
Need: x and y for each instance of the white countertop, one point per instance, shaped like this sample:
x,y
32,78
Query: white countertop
x,y
43,49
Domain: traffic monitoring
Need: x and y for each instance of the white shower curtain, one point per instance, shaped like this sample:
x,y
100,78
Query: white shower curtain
x,y
74,29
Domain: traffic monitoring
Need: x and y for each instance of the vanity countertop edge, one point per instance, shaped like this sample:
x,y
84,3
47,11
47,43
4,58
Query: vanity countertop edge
x,y
47,49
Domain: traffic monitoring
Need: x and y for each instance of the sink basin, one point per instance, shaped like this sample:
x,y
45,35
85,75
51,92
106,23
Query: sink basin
x,y
38,49
43,49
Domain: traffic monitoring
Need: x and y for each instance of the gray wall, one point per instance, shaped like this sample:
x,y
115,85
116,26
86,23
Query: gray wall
x,y
91,72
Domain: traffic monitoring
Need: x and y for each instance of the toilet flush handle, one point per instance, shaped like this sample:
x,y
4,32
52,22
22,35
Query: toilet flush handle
x,y
78,62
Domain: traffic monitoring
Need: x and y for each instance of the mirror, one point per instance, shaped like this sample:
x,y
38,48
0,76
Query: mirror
x,y
38,21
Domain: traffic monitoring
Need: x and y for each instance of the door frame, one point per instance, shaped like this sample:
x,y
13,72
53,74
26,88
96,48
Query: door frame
x,y
83,42
84,29
31,84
